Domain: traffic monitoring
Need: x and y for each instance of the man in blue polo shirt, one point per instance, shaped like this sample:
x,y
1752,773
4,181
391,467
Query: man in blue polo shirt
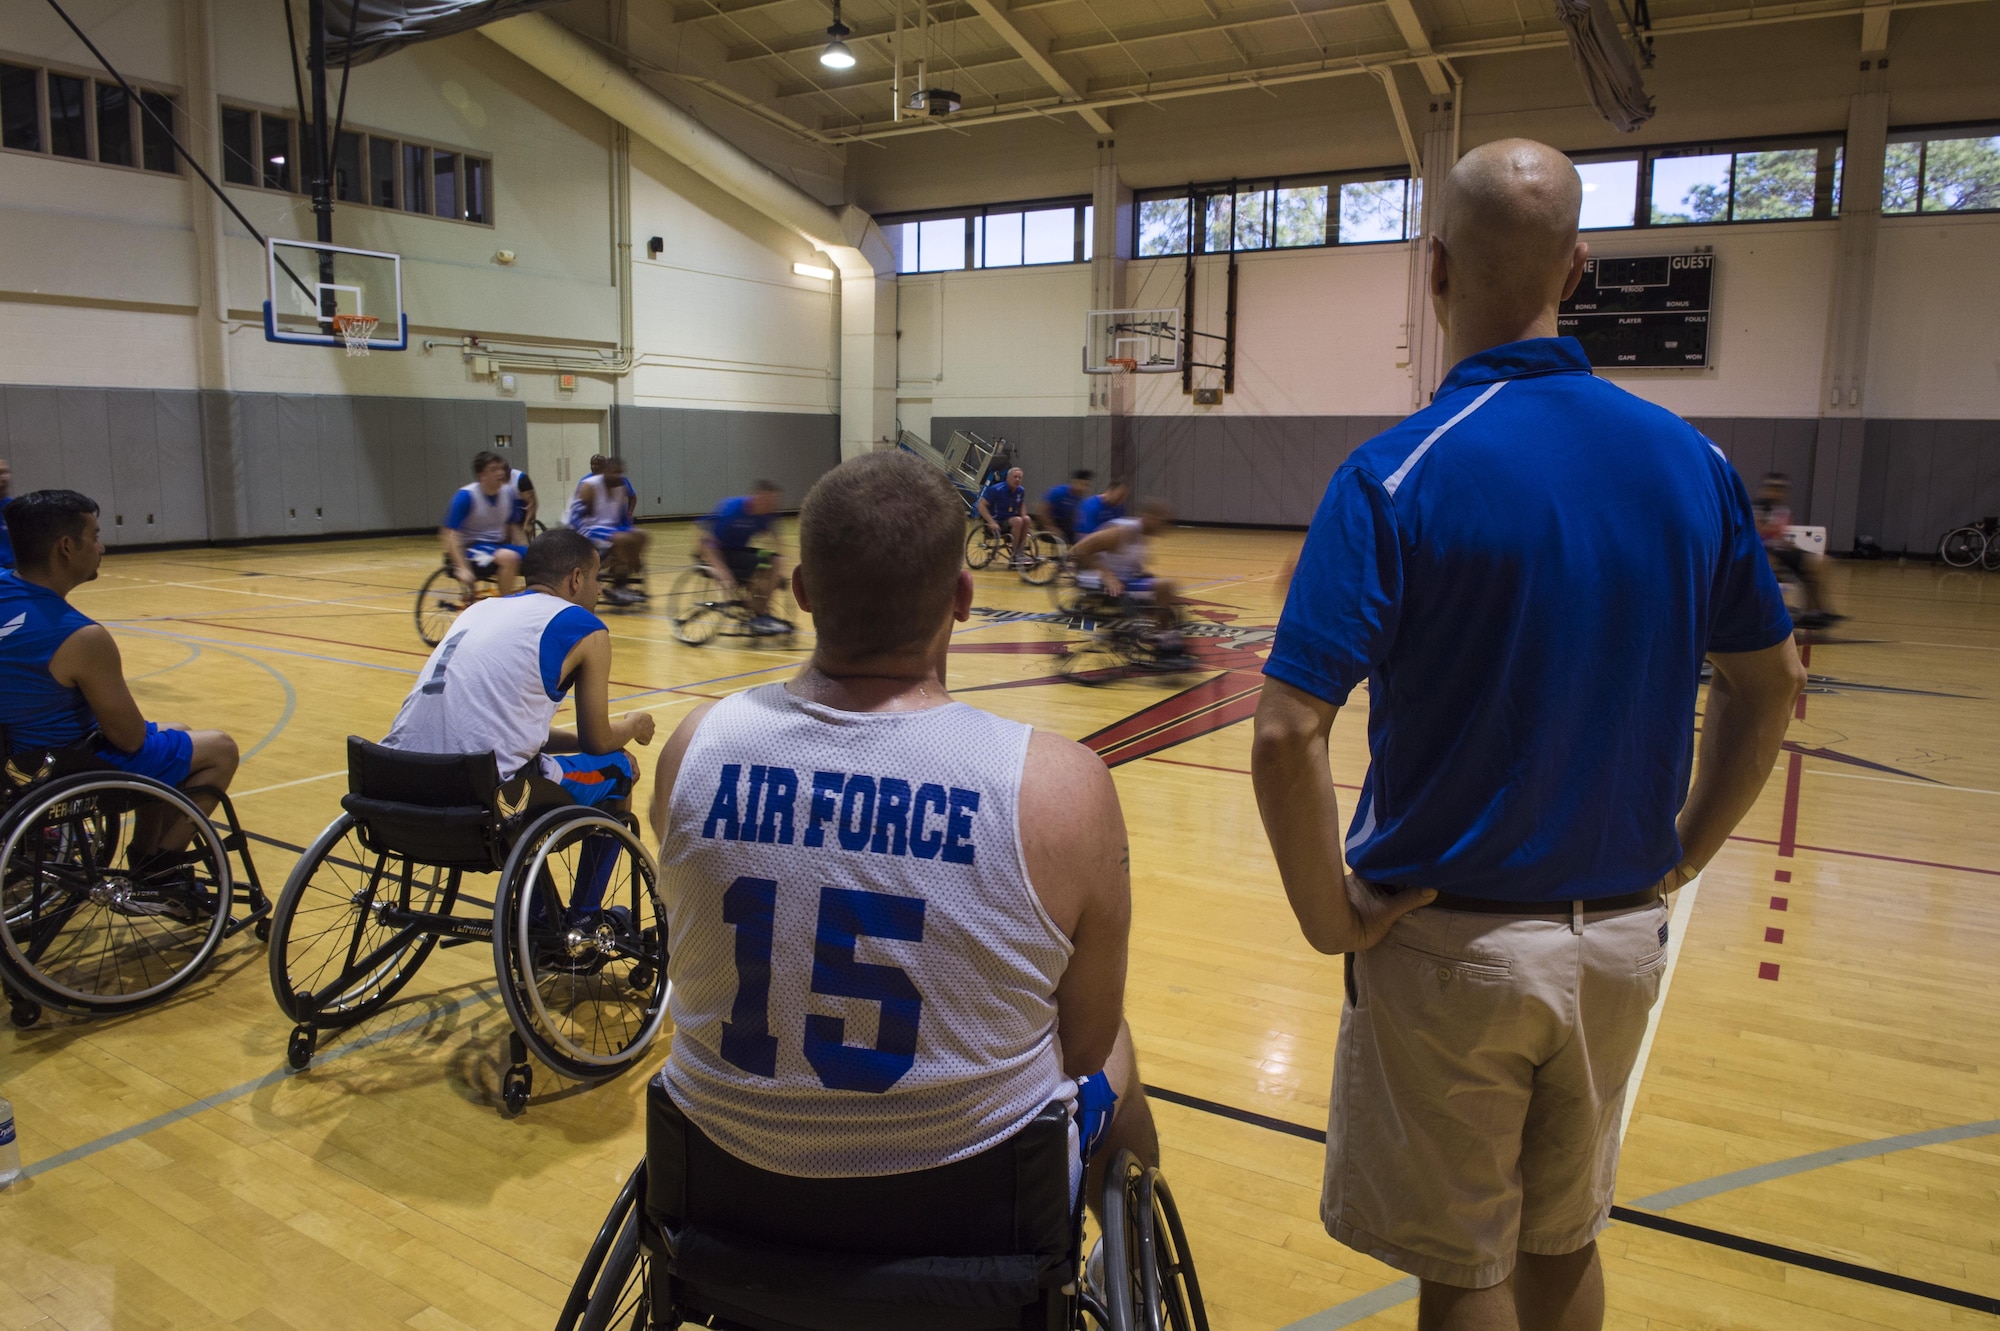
x,y
1099,509
1059,505
1528,574
1003,507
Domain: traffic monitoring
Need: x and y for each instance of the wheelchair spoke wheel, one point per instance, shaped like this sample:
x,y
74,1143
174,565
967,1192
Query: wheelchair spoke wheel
x,y
1148,1264
89,922
1045,555
341,936
438,605
980,546
579,943
1097,659
1963,547
696,606
611,1290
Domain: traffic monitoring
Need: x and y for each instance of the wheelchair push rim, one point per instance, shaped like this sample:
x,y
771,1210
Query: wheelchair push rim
x,y
612,1288
80,933
980,546
1963,547
695,606
339,906
588,995
439,603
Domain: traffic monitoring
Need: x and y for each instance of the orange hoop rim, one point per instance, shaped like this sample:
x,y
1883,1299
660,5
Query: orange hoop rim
x,y
362,323
1127,364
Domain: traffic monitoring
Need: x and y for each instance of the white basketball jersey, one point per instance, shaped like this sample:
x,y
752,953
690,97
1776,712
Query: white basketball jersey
x,y
863,977
1126,561
607,505
493,684
489,516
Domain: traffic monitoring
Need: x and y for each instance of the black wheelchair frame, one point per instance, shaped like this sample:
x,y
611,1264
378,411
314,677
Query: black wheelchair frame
x,y
68,906
379,889
1123,640
442,597
698,608
991,1243
1046,553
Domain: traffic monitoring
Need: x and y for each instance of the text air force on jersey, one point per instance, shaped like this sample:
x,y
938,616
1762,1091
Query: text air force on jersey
x,y
879,815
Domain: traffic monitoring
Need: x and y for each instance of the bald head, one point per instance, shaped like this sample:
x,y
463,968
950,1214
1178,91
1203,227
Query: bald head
x,y
1508,231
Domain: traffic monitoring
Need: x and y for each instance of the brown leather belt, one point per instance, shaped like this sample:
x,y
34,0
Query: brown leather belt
x,y
1552,909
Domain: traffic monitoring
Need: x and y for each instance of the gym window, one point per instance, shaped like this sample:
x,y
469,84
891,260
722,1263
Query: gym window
x,y
262,150
1947,169
58,113
1702,184
996,235
1294,213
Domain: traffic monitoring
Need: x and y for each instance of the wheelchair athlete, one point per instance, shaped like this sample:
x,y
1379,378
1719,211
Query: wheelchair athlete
x,y
727,543
1003,507
603,509
985,863
1112,560
61,677
483,530
496,680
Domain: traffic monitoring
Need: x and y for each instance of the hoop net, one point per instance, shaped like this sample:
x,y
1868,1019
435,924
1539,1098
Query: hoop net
x,y
355,330
1123,364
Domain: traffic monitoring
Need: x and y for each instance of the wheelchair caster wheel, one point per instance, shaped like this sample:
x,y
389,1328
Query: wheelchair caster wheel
x,y
641,979
514,1090
299,1051
263,930
24,1013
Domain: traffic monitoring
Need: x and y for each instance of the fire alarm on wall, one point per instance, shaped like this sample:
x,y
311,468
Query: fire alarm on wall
x,y
566,382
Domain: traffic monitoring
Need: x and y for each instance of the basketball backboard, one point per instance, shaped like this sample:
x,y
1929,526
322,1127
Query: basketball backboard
x,y
310,284
1132,342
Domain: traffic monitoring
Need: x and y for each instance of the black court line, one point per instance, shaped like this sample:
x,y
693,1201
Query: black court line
x,y
1867,1275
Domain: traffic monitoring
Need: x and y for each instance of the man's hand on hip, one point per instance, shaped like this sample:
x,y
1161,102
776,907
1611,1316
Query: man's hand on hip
x,y
1376,912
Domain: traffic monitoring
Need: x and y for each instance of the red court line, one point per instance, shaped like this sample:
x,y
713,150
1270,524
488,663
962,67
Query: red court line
x,y
1871,855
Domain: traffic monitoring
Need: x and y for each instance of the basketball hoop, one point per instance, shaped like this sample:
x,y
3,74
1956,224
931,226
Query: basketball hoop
x,y
1123,364
355,330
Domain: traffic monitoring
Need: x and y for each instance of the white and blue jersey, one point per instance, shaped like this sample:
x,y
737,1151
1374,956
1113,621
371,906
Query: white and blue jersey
x,y
605,511
494,683
1528,573
483,519
863,979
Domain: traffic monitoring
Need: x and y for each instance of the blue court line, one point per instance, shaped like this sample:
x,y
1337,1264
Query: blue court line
x,y
291,694
1389,1296
237,1092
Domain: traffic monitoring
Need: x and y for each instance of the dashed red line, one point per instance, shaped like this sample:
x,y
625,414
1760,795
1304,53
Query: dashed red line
x,y
1774,935
1781,903
1782,876
1767,970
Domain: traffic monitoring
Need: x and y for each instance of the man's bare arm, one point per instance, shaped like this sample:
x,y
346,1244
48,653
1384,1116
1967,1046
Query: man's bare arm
x,y
1749,705
1289,767
454,552
589,663
669,768
1073,840
89,660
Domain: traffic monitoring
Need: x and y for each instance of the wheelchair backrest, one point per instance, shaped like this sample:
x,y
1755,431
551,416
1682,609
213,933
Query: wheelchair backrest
x,y
430,780
1010,1198
432,808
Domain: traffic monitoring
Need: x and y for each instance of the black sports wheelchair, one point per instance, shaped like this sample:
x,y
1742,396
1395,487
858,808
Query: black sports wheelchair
x,y
1124,639
88,928
701,605
585,988
442,596
993,1243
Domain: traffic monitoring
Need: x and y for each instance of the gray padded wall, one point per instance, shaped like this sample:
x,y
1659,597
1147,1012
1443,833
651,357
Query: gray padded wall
x,y
684,461
137,451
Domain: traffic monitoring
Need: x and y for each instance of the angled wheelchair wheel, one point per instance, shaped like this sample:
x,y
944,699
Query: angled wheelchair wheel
x,y
611,1289
980,546
438,605
1045,559
87,926
347,933
585,982
1148,1267
696,605
1097,659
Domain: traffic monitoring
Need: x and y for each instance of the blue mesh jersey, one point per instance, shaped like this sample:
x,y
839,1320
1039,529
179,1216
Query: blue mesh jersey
x,y
734,524
1527,573
1062,503
35,711
1005,501
1094,512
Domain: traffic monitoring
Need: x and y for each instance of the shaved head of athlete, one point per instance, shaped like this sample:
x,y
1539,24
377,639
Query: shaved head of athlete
x,y
1504,253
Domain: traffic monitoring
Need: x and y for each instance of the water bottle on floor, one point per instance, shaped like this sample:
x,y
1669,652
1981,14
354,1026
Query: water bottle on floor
x,y
10,1150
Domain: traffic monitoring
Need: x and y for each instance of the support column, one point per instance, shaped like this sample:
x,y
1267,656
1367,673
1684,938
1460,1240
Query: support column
x,y
867,337
1112,395
1439,148
622,386
211,333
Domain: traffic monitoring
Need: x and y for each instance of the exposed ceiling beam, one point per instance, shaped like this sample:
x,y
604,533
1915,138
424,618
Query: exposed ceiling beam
x,y
1875,27
815,40
701,9
1418,38
879,76
1034,48
1237,18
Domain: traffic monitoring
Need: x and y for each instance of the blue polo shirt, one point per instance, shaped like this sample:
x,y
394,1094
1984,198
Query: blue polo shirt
x,y
1527,573
735,524
1004,500
1062,502
1094,512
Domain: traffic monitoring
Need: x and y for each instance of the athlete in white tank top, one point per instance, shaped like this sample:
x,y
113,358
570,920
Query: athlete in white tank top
x,y
898,924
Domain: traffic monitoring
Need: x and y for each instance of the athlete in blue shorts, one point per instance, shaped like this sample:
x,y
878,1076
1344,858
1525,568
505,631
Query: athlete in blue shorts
x,y
60,674
482,532
603,509
507,663
1003,507
1059,505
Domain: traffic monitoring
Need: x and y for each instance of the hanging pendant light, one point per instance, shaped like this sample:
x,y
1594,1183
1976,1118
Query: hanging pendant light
x,y
836,55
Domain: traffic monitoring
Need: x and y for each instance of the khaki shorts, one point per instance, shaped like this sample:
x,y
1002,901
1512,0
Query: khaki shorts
x,y
1478,1086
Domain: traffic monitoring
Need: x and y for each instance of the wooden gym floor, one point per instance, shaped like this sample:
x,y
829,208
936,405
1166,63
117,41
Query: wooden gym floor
x,y
1825,1076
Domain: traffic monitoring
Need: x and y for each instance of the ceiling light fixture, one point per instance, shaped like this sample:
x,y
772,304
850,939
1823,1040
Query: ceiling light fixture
x,y
813,270
836,55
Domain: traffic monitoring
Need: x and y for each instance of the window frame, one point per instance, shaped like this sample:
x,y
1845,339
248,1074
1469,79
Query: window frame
x,y
1922,135
1200,195
1829,189
975,239
93,79
367,139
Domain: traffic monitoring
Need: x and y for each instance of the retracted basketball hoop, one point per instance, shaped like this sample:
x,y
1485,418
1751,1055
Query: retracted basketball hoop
x,y
355,330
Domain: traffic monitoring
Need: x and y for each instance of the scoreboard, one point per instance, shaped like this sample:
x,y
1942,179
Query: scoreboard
x,y
1648,311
